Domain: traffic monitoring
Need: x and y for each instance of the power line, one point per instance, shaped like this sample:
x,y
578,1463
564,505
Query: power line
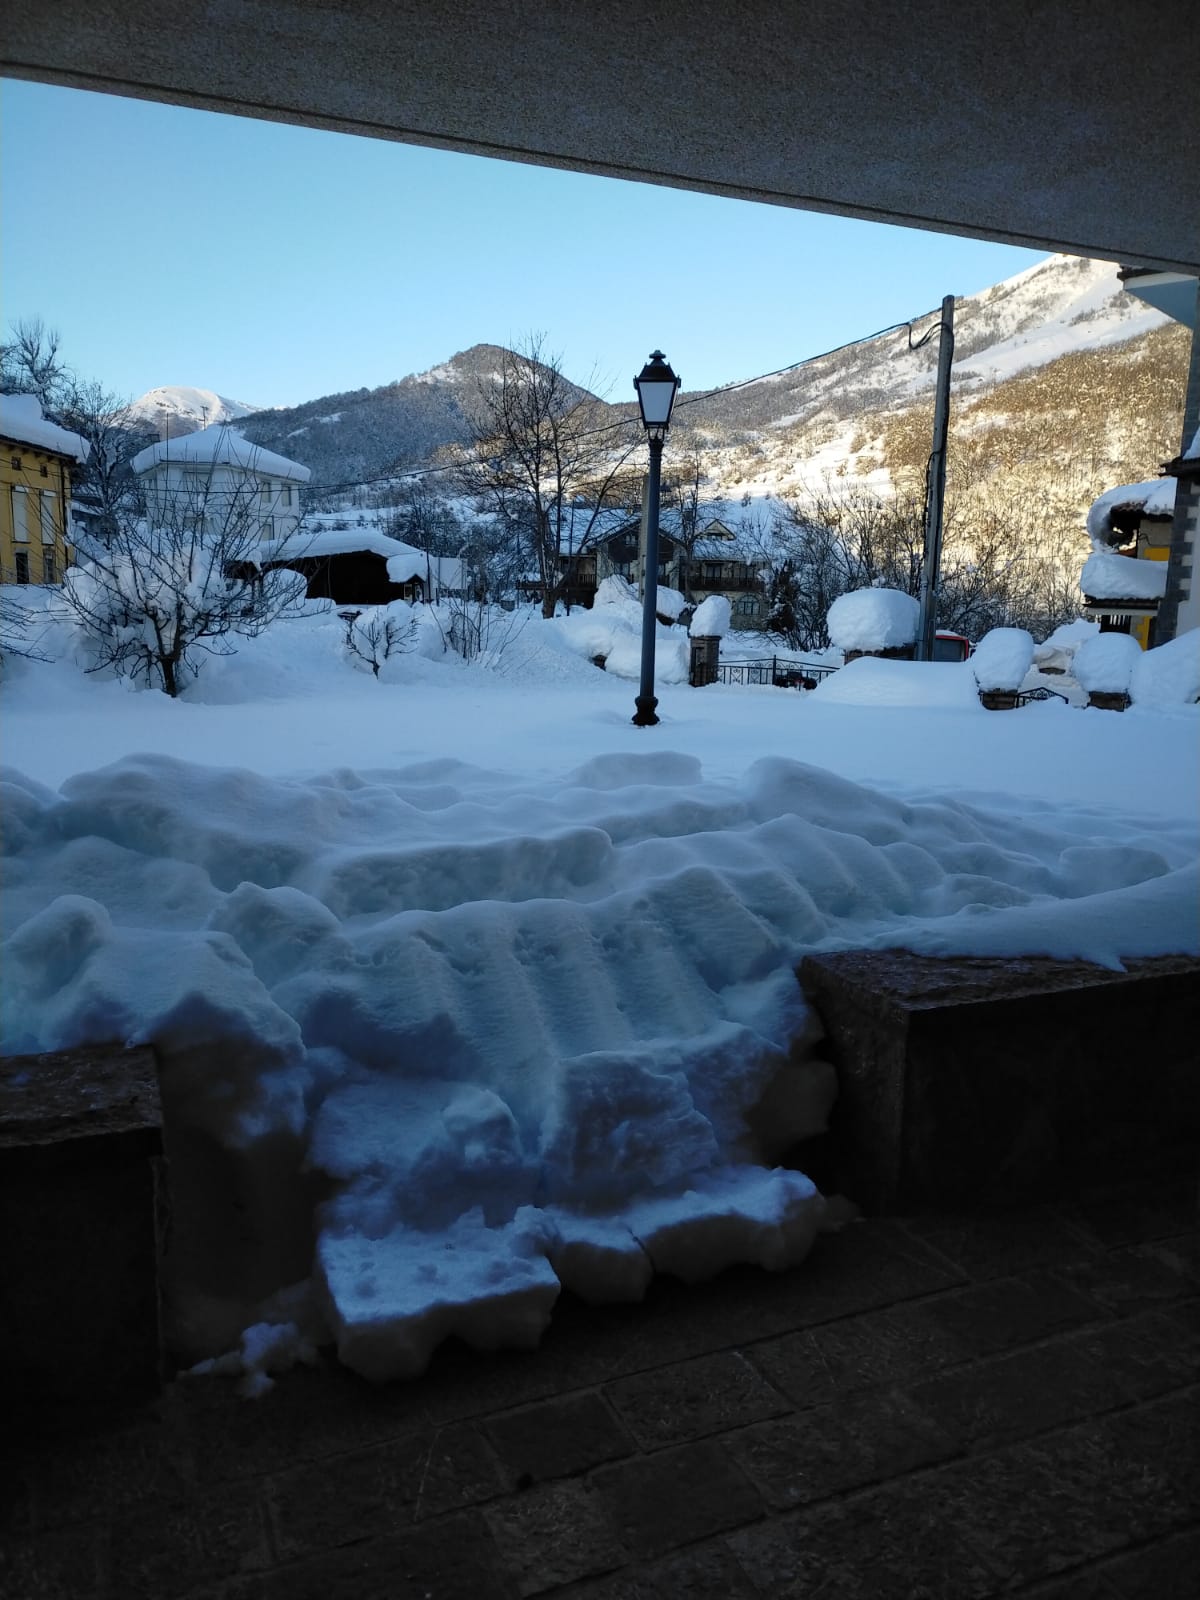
x,y
426,471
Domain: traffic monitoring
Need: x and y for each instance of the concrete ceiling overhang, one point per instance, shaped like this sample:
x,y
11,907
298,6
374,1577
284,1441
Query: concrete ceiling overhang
x,y
1060,124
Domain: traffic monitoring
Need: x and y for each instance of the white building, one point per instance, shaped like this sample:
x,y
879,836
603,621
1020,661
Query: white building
x,y
218,477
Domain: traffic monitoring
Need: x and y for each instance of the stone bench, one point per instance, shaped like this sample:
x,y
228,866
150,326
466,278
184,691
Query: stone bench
x,y
966,1081
82,1218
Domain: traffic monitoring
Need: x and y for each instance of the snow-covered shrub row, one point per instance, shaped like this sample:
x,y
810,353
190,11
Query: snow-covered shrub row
x,y
1002,658
873,619
520,1033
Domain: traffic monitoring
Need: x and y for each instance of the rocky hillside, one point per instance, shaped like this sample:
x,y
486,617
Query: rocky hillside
x,y
349,438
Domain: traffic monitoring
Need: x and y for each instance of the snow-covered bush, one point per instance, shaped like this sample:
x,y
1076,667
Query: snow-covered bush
x,y
712,618
1002,658
379,634
153,594
1104,665
873,619
1168,675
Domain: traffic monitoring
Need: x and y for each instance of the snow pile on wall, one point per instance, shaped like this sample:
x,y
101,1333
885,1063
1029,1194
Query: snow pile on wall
x,y
873,619
1106,576
1168,675
871,681
1002,658
1058,650
1104,665
669,603
518,1033
711,619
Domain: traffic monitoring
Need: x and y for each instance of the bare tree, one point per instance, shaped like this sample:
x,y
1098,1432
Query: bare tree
x,y
114,436
30,363
543,461
164,589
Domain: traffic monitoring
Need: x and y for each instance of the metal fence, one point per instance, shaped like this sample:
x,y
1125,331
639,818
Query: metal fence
x,y
780,672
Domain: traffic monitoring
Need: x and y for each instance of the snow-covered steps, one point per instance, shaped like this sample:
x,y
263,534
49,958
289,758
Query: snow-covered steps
x,y
392,1300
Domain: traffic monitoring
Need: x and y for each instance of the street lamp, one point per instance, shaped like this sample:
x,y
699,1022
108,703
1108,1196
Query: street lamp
x,y
656,385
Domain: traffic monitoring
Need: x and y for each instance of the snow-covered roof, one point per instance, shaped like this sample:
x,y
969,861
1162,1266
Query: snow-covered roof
x,y
220,446
1154,498
403,562
584,527
21,420
1107,576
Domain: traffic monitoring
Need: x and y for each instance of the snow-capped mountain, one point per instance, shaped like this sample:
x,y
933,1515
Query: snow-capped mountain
x,y
1057,366
173,410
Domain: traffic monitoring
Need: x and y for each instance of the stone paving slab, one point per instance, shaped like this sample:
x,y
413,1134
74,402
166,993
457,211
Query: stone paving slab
x,y
989,1405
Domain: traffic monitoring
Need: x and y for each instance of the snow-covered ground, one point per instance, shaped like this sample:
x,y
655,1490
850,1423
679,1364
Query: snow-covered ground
x,y
464,988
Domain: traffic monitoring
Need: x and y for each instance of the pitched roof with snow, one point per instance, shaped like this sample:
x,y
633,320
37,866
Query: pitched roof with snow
x,y
220,446
21,420
1155,498
403,561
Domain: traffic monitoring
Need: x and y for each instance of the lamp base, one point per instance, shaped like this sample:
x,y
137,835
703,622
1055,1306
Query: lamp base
x,y
644,716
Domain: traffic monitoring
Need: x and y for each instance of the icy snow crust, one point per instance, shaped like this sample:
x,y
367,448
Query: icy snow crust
x,y
521,1033
436,1038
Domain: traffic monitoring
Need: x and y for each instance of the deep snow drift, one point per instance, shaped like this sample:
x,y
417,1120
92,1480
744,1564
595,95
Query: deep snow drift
x,y
442,1035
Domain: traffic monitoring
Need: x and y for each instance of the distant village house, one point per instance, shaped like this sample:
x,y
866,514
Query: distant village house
x,y
217,476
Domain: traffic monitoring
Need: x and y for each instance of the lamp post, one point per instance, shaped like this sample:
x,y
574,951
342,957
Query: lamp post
x,y
656,386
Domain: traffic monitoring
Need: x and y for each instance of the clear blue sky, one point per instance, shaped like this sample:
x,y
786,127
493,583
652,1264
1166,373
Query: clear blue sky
x,y
278,264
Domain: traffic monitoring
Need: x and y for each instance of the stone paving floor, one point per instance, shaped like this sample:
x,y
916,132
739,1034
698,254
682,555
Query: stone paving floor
x,y
962,1407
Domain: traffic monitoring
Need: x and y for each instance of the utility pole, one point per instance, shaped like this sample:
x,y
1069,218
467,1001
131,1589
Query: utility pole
x,y
935,486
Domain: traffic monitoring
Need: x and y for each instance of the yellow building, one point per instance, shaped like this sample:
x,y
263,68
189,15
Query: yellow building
x,y
37,458
1134,521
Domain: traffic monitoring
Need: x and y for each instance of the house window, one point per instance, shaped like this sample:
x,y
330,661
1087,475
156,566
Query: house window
x,y
264,494
16,461
21,560
45,470
49,571
747,606
287,494
20,515
46,516
712,571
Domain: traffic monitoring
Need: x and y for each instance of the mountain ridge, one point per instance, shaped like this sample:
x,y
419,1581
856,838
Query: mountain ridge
x,y
860,412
